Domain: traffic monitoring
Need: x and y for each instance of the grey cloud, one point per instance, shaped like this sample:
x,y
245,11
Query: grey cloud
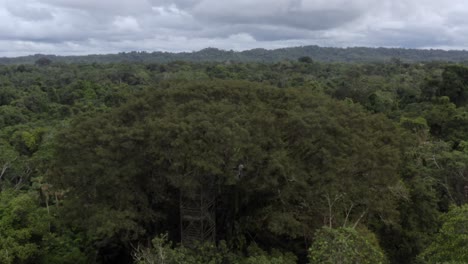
x,y
325,19
91,26
181,4
103,7
411,38
27,11
288,13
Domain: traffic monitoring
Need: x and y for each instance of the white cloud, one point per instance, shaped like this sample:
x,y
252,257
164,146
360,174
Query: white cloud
x,y
126,24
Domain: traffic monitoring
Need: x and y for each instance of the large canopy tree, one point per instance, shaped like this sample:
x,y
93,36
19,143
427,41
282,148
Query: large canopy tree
x,y
308,161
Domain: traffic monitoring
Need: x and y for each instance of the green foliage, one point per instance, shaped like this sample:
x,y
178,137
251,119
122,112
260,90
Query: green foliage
x,y
381,101
449,245
305,59
25,233
163,252
257,255
63,249
10,116
345,245
12,167
43,61
455,84
7,95
417,126
23,225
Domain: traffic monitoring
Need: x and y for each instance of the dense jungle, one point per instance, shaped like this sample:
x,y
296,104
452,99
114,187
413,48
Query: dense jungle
x,y
307,161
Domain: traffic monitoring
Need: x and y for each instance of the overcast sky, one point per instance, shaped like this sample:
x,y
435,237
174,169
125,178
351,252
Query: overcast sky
x,y
109,26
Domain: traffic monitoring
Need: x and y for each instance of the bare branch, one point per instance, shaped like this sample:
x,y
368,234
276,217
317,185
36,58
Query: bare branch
x,y
359,219
435,162
4,169
348,212
331,204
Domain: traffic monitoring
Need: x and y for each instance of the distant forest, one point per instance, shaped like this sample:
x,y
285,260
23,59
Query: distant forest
x,y
322,54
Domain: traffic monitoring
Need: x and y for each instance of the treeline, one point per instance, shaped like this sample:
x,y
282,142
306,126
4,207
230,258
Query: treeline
x,y
342,163
322,54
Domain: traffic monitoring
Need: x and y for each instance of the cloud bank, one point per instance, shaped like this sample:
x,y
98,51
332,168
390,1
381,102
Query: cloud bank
x,y
107,26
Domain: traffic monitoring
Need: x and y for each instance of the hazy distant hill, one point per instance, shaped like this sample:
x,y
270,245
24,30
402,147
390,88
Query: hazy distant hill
x,y
358,54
